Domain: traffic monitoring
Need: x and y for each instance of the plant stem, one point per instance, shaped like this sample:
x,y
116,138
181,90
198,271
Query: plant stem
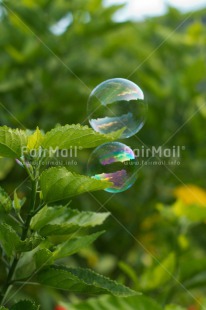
x,y
23,237
32,207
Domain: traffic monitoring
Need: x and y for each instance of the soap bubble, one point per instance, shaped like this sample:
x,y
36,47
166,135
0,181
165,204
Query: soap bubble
x,y
115,104
114,162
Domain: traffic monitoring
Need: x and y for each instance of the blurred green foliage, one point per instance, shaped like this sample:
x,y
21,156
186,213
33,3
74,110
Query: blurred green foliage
x,y
52,54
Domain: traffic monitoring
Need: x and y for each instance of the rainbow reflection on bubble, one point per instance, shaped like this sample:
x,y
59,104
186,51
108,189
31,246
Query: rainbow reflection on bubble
x,y
116,154
114,162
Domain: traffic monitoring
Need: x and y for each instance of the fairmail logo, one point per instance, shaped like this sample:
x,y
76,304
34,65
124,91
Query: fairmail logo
x,y
159,152
50,152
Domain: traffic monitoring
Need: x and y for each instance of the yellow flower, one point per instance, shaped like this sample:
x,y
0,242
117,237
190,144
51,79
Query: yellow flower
x,y
191,194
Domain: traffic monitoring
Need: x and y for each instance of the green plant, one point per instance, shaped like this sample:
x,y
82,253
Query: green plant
x,y
170,68
34,235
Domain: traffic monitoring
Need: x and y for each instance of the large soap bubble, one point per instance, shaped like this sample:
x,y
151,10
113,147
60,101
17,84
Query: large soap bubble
x,y
116,104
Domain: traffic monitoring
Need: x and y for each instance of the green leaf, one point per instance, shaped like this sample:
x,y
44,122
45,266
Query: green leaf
x,y
82,281
197,281
60,229
9,239
35,140
114,303
26,265
57,183
25,304
43,257
3,308
160,274
72,246
11,242
192,272
5,201
130,272
18,203
63,220
11,142
29,244
65,137
49,214
191,267
6,165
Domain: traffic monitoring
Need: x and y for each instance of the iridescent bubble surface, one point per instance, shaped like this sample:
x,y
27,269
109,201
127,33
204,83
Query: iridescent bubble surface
x,y
114,162
116,104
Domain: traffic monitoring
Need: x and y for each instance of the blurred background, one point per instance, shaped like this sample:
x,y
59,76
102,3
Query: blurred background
x,y
52,54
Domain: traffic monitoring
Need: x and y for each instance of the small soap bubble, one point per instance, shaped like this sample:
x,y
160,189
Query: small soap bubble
x,y
116,104
114,162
